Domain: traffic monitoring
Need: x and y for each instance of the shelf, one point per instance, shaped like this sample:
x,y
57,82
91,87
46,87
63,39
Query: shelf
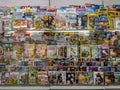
x,y
82,30
60,88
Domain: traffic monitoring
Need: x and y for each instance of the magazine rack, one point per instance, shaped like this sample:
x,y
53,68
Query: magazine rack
x,y
60,48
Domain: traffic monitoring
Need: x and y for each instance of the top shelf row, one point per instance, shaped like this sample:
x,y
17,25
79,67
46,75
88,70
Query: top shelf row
x,y
37,18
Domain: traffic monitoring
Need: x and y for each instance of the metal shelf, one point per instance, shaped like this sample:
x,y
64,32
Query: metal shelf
x,y
60,87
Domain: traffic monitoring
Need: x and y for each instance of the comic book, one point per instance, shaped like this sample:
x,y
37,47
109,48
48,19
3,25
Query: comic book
x,y
72,50
94,50
29,50
51,51
109,78
71,18
60,19
42,78
13,79
85,51
61,77
70,78
84,78
98,78
117,78
61,51
41,51
33,77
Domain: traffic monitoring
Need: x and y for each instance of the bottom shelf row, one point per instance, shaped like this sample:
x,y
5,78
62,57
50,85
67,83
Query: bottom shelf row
x,y
47,78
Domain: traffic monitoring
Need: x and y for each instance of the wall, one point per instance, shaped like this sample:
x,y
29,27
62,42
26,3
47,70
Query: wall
x,y
57,3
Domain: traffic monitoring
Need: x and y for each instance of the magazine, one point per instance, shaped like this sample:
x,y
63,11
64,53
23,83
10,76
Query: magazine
x,y
41,51
71,18
72,51
61,77
51,51
33,77
60,19
98,78
70,78
61,51
14,77
109,78
42,78
85,51
29,50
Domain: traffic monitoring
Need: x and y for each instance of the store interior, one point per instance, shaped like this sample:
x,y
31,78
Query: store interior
x,y
60,45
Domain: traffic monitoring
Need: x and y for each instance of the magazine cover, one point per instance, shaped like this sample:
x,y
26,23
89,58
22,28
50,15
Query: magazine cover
x,y
52,76
83,68
23,78
17,51
13,78
5,78
116,23
84,78
98,78
1,54
33,77
85,51
81,20
29,50
60,19
109,78
6,23
117,78
8,51
41,51
104,50
61,51
49,19
19,23
61,77
115,51
72,50
51,51
95,51
42,78
71,18
38,21
30,19
70,78
1,25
